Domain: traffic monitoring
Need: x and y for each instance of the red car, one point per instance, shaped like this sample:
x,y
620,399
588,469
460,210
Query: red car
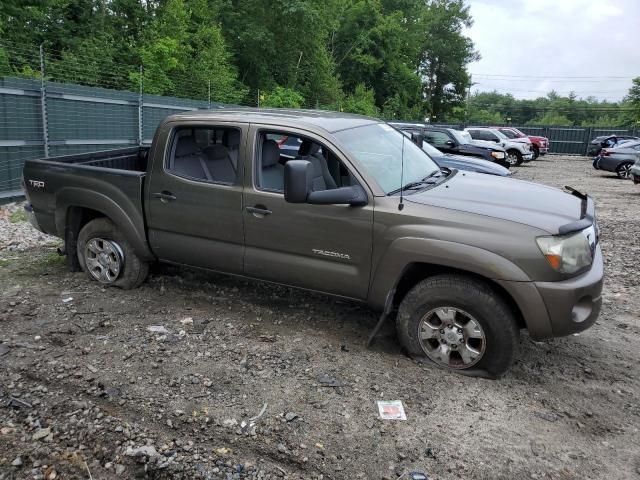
x,y
540,144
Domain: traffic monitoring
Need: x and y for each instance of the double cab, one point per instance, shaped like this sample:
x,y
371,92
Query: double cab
x,y
357,211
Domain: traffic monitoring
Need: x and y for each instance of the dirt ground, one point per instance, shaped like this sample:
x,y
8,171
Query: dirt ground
x,y
87,391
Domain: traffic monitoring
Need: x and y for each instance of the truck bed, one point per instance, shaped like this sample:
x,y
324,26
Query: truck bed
x,y
110,182
131,158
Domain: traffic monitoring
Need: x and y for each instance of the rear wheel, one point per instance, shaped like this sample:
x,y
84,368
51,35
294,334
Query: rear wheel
x,y
458,323
106,256
624,170
514,157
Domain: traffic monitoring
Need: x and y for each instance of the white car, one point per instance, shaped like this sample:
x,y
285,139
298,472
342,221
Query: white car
x,y
518,149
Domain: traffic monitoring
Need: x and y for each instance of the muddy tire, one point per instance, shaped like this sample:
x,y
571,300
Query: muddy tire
x,y
460,324
106,256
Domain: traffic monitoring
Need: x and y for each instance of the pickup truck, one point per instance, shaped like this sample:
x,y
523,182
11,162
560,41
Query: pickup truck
x,y
540,145
518,149
462,261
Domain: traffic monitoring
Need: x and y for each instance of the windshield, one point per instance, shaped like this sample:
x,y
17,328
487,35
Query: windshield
x,y
500,135
461,136
509,133
378,148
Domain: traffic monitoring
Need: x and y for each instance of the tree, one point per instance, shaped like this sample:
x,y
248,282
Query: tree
x,y
631,105
361,101
282,97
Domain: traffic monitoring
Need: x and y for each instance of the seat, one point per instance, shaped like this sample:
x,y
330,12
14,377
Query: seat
x,y
219,163
231,139
188,159
271,171
322,179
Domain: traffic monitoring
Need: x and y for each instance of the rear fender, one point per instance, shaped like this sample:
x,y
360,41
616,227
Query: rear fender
x,y
131,223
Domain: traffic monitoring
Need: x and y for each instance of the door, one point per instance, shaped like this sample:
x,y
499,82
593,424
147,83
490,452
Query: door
x,y
442,141
194,198
320,247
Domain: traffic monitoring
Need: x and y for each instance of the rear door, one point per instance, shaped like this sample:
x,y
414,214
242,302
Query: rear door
x,y
320,247
194,196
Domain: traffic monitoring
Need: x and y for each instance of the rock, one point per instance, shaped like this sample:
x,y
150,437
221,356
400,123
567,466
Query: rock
x,y
290,416
120,469
146,450
282,448
40,434
17,462
92,369
4,349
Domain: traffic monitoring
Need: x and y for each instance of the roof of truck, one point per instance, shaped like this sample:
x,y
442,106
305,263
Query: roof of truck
x,y
327,120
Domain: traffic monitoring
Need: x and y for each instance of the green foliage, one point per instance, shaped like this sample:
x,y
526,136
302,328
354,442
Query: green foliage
x,y
361,101
551,118
631,104
282,97
18,216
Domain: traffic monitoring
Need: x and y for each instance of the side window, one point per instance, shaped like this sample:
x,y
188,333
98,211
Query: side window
x,y
475,134
508,133
207,154
437,138
276,148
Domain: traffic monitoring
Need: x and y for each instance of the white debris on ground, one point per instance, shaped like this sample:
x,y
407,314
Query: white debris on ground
x,y
17,234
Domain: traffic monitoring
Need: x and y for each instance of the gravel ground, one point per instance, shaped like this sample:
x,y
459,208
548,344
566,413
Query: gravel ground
x,y
247,380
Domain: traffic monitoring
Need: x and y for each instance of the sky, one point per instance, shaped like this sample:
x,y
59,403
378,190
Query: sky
x,y
530,47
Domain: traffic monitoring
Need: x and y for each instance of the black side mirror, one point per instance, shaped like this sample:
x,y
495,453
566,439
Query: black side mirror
x,y
353,195
298,188
450,143
418,139
298,181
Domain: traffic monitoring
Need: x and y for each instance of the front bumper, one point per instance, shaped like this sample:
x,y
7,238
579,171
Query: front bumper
x,y
574,305
527,157
635,174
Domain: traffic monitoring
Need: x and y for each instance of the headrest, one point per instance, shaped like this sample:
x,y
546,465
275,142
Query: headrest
x,y
216,152
186,146
231,138
270,153
307,147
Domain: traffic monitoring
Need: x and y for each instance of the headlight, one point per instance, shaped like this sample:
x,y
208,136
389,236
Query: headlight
x,y
569,253
498,155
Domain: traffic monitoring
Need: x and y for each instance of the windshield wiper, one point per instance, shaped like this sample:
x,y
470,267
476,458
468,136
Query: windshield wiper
x,y
418,183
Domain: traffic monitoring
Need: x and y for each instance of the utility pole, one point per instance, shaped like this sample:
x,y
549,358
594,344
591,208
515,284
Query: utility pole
x,y
466,113
140,106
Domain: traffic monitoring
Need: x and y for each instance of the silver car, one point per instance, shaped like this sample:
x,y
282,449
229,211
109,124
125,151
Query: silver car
x,y
618,160
635,172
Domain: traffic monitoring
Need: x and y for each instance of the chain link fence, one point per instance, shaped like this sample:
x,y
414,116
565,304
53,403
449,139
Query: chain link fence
x,y
51,105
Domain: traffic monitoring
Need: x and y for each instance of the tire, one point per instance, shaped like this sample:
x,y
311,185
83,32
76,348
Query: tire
x,y
489,317
624,170
101,244
514,157
536,153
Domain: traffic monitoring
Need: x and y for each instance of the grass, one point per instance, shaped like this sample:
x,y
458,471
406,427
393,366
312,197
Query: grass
x,y
18,216
53,259
4,262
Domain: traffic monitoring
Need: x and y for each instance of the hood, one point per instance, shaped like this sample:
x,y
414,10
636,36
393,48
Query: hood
x,y
486,144
505,198
520,140
536,137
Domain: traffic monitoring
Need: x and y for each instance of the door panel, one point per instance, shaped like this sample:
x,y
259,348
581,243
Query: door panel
x,y
197,222
319,247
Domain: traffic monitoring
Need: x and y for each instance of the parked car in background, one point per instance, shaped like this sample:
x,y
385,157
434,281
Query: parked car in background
x,y
607,141
518,149
460,162
539,145
618,160
457,142
635,172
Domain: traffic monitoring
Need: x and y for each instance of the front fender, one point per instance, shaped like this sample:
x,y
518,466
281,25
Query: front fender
x,y
408,250
129,222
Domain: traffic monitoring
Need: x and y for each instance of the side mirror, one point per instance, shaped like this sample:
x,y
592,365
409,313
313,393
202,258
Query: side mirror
x,y
450,143
298,181
418,139
298,188
497,140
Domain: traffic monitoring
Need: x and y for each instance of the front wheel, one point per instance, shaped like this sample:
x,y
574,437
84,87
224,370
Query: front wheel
x,y
514,157
106,256
458,323
624,170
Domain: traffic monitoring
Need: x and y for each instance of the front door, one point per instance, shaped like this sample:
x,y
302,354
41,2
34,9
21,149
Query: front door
x,y
194,197
320,247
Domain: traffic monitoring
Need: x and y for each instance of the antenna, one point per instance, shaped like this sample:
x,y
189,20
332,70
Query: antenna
x,y
401,205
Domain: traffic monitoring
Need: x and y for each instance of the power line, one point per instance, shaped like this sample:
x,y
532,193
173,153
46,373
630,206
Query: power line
x,y
549,76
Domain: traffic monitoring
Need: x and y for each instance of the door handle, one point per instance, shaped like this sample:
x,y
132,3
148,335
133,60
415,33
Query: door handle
x,y
164,196
258,211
